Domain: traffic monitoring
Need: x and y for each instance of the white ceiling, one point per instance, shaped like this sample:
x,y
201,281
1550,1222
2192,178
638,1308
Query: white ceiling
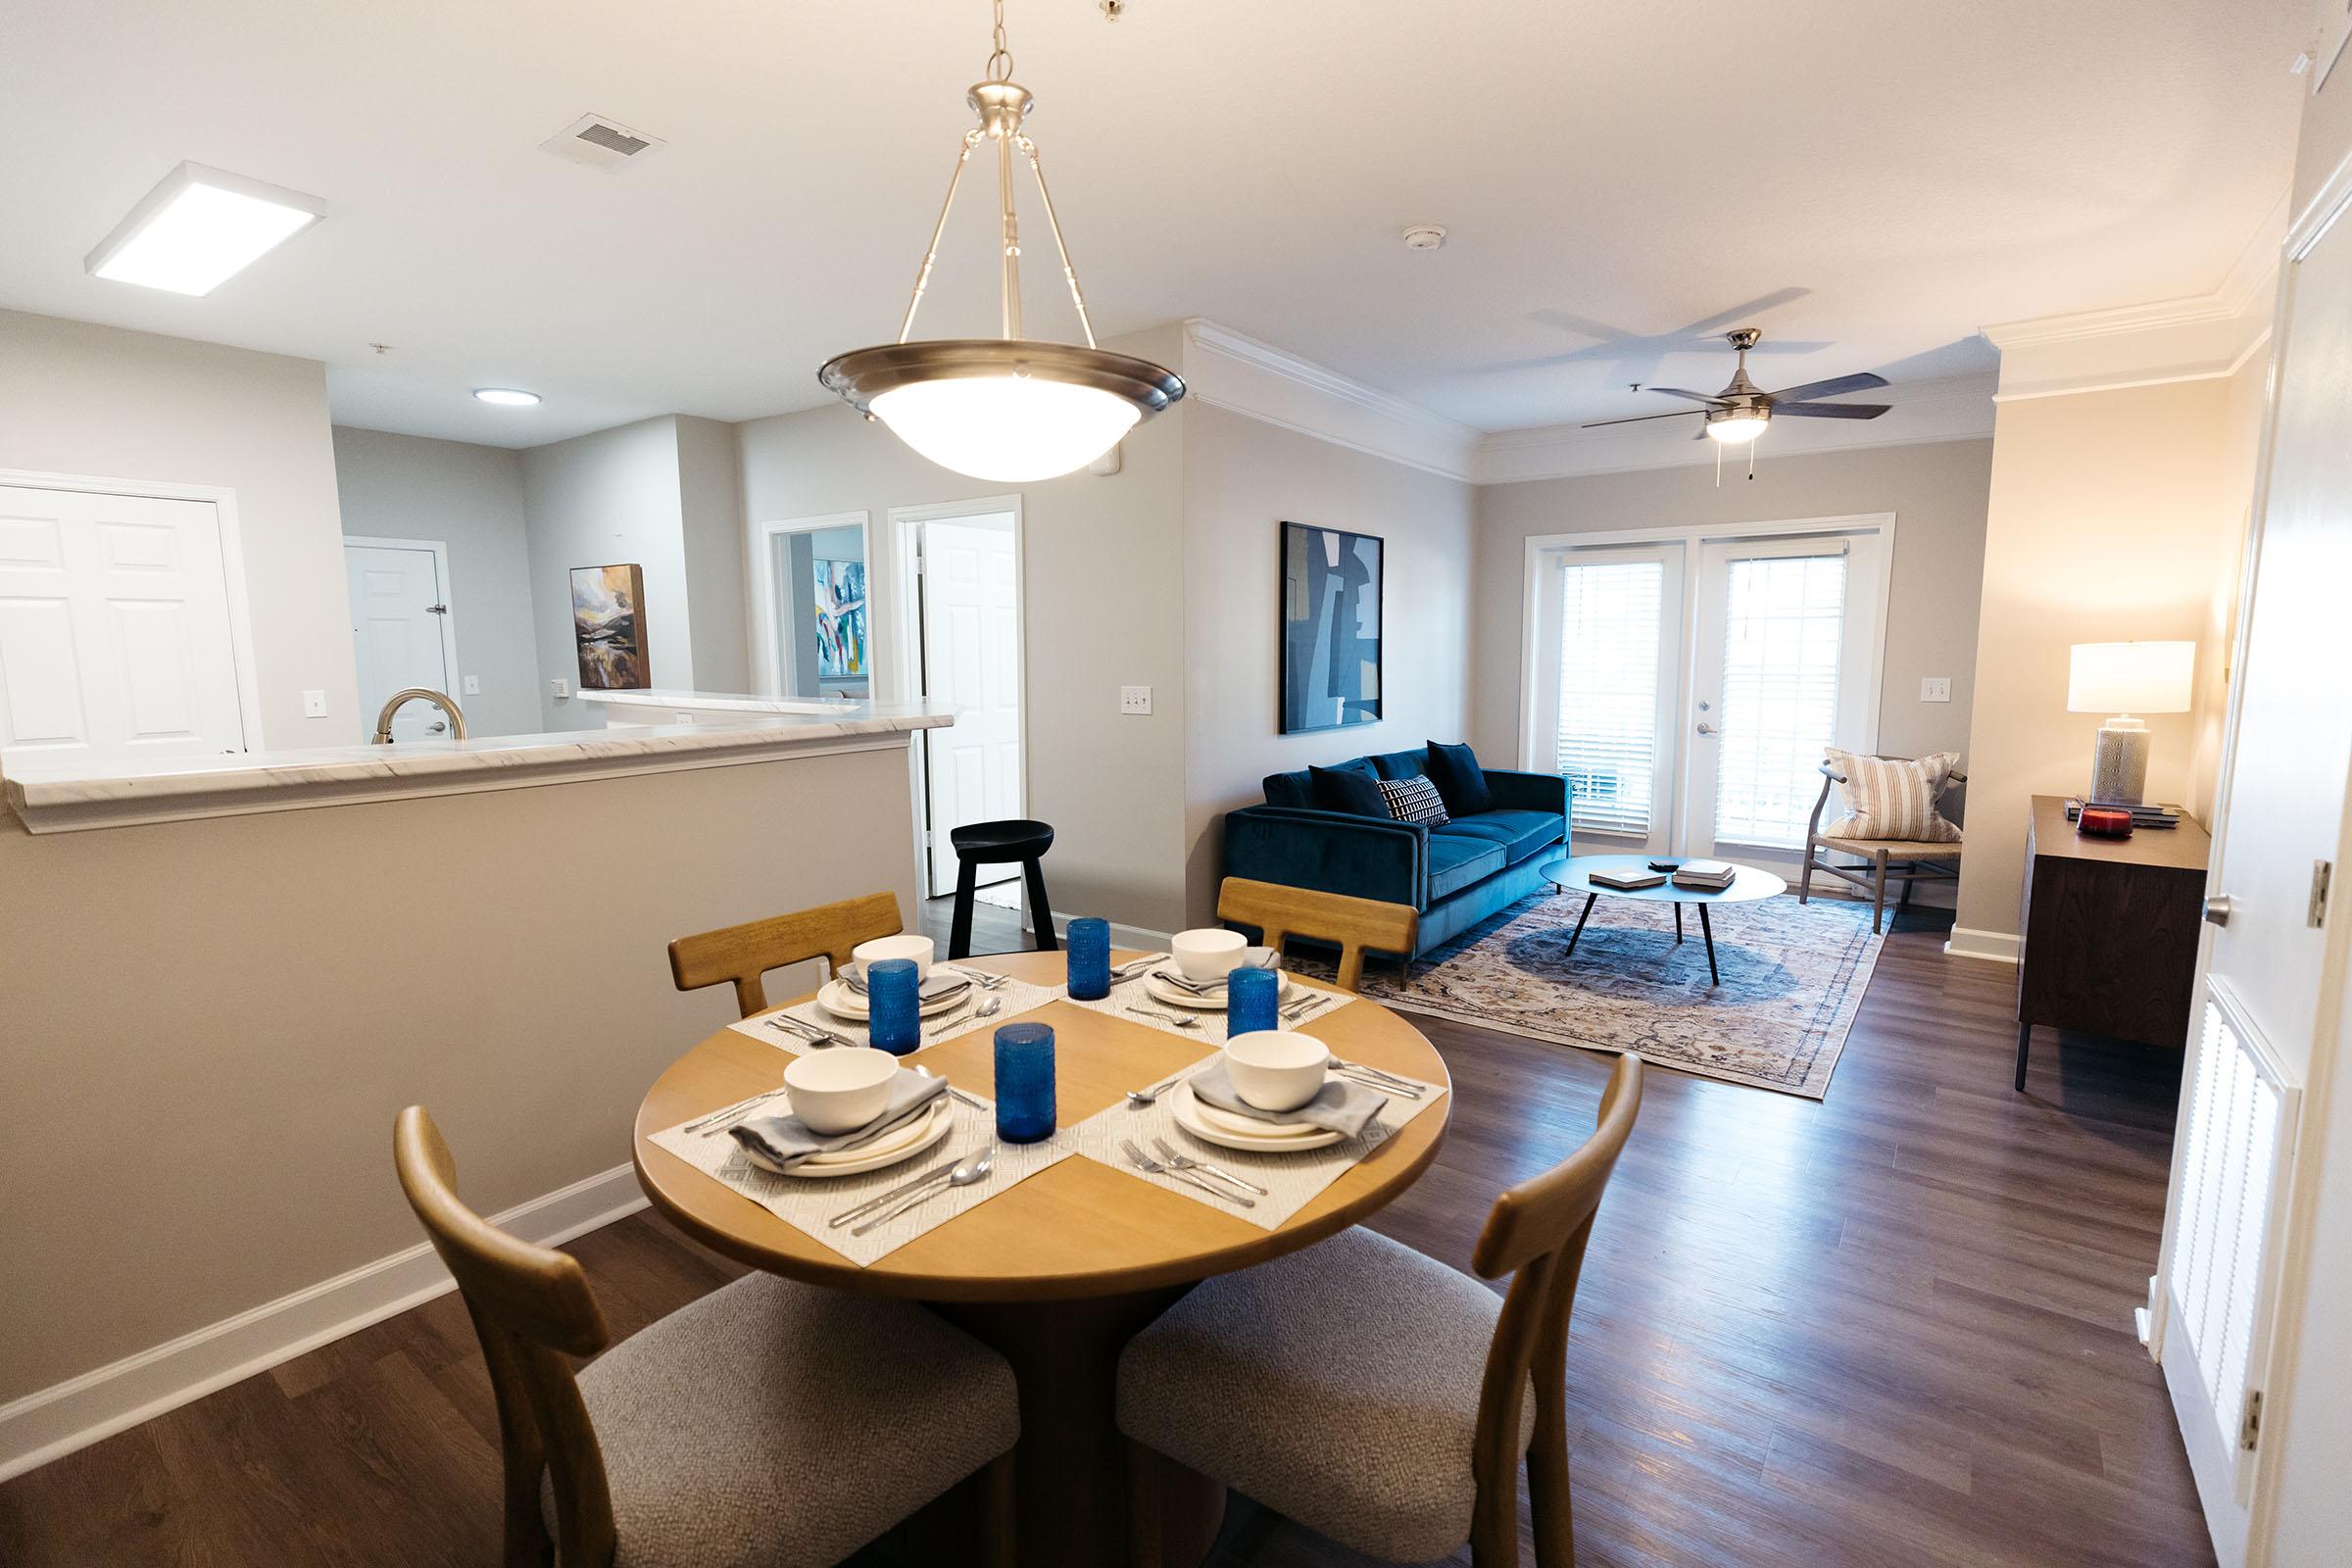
x,y
1875,181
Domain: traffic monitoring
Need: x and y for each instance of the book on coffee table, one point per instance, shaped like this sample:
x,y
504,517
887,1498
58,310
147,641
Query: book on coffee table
x,y
1626,881
1706,876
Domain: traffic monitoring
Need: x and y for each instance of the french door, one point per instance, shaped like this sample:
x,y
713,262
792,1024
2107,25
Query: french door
x,y
1687,684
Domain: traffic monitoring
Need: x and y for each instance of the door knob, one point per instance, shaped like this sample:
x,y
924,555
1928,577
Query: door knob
x,y
2218,910
1706,728
438,728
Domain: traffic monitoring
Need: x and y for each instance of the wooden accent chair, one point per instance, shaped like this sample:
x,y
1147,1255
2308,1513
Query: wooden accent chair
x,y
1375,1394
742,954
1904,858
769,1422
1354,925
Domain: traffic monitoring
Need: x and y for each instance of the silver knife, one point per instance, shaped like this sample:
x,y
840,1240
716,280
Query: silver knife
x,y
900,1190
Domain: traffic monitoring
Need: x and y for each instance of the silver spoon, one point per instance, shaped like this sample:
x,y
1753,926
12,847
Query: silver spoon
x,y
1138,1099
963,1175
987,1010
1177,1019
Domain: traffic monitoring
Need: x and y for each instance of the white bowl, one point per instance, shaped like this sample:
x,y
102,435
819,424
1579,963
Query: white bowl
x,y
1275,1069
840,1091
1206,955
919,948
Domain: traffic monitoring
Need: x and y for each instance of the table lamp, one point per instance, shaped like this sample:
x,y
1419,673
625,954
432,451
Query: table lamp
x,y
2123,679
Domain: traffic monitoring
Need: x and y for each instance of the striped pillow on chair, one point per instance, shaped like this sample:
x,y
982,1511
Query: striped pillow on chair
x,y
1891,797
1414,800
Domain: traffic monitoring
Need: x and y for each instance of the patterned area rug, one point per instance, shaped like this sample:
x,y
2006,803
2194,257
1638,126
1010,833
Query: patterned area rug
x,y
1792,977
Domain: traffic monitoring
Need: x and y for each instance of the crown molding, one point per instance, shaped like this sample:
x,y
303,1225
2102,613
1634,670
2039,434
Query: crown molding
x,y
1233,371
1949,409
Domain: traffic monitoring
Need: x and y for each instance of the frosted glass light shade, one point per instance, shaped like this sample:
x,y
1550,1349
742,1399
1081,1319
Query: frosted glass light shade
x,y
1009,429
198,229
2130,677
1737,429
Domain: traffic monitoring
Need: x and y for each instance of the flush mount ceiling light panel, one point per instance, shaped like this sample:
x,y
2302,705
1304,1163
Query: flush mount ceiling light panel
x,y
505,397
199,229
1008,409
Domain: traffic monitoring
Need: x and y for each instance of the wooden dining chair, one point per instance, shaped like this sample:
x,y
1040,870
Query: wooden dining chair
x,y
1354,925
769,1423
1374,1394
743,954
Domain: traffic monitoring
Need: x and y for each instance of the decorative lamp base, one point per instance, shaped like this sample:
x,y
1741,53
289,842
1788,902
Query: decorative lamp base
x,y
2119,764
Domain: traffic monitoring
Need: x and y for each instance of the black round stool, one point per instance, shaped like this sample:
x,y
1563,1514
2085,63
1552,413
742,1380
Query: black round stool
x,y
979,844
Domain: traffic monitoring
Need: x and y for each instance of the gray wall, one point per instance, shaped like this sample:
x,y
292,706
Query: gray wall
x,y
717,587
1242,479
470,499
103,403
1936,491
1103,572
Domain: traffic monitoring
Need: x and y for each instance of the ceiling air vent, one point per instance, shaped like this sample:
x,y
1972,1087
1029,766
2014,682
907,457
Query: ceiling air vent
x,y
601,143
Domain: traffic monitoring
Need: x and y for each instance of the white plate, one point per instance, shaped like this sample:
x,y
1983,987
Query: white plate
x,y
904,1145
841,1002
1160,990
1250,1127
1187,1112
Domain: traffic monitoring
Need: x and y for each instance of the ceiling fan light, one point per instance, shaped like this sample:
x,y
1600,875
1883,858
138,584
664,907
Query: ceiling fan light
x,y
1009,428
1736,427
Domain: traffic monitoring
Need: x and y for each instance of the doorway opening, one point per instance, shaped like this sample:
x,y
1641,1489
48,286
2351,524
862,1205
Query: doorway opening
x,y
402,631
815,629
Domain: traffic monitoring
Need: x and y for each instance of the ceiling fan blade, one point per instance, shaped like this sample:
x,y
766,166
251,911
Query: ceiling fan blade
x,y
1685,392
1829,389
1678,414
1830,411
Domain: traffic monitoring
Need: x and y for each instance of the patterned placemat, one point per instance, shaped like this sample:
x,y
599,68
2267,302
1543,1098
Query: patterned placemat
x,y
1015,997
1131,1002
806,1204
1292,1180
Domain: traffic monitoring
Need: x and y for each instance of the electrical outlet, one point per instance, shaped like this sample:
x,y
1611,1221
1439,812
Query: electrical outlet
x,y
558,689
1135,699
314,704
474,685
1936,689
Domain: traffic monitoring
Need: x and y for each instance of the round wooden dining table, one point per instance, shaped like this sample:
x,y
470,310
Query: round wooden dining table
x,y
1058,1272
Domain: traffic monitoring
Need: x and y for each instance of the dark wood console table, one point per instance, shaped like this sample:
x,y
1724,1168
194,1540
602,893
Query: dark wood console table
x,y
2109,930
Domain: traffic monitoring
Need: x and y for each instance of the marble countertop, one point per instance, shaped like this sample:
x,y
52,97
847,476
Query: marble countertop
x,y
728,702
64,793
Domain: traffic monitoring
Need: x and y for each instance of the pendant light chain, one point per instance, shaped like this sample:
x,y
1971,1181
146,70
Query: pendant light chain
x,y
999,58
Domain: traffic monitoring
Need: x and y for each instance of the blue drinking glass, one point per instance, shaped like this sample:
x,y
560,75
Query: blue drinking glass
x,y
1025,1109
1250,999
893,1019
1090,958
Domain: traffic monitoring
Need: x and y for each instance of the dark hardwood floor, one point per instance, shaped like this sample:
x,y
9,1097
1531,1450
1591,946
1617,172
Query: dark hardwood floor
x,y
1891,1328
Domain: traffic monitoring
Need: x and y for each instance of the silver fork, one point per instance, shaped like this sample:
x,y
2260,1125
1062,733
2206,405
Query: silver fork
x,y
819,1038
979,977
1177,1019
1144,1162
1385,1080
1184,1162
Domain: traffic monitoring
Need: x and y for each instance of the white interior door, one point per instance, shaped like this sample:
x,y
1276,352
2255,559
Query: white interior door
x,y
398,612
971,586
2264,1013
1785,662
1607,688
114,632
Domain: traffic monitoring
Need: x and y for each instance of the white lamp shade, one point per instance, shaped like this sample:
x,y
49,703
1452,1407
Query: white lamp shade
x,y
2130,677
1737,429
1009,429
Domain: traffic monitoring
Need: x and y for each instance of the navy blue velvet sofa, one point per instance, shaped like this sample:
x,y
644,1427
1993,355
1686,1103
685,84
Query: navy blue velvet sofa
x,y
1456,875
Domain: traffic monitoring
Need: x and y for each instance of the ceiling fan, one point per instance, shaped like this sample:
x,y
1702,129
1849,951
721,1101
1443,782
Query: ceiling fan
x,y
1739,412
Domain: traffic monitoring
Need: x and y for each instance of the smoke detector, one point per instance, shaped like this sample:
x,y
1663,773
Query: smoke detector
x,y
1423,237
601,143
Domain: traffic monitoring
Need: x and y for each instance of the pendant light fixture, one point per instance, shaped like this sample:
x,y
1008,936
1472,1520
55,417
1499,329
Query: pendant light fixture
x,y
1006,408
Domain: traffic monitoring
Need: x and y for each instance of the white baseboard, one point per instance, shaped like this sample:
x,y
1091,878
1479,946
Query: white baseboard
x,y
54,1421
2001,946
1122,936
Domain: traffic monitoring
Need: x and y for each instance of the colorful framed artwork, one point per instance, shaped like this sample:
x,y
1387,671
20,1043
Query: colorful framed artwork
x,y
608,626
1331,628
840,619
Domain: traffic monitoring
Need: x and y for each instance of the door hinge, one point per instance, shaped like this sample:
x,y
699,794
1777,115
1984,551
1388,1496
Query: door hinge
x,y
2249,1426
2322,874
437,609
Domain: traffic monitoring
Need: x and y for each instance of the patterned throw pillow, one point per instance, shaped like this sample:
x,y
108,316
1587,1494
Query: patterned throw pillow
x,y
1414,800
1890,798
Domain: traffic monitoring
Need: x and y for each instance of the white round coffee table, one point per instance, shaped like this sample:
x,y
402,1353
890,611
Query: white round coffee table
x,y
1574,876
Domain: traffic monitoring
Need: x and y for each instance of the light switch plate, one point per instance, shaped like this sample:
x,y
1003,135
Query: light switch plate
x,y
314,704
558,687
474,685
1936,689
1135,699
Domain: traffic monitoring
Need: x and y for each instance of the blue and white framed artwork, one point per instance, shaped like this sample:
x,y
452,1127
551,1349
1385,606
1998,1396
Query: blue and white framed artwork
x,y
840,619
1330,628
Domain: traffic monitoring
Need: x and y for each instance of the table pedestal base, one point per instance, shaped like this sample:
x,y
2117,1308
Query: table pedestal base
x,y
1070,1466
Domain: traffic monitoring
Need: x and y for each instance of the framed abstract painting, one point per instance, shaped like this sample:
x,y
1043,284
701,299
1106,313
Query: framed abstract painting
x,y
608,626
1331,628
840,618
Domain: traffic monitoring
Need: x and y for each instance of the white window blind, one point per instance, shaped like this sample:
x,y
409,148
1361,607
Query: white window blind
x,y
1784,628
1611,617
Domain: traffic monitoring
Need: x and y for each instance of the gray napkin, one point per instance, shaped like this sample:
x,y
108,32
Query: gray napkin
x,y
787,1139
933,986
1251,958
1346,1108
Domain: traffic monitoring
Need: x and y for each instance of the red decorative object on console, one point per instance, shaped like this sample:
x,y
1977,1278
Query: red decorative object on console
x,y
2104,822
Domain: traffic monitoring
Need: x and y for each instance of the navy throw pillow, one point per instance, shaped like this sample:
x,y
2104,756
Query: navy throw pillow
x,y
1461,783
1349,789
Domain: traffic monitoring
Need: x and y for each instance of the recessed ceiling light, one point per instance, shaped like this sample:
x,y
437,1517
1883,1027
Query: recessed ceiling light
x,y
505,397
200,228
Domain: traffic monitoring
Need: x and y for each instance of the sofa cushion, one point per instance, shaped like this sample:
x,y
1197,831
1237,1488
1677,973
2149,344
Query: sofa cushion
x,y
1290,788
1349,787
1413,799
1461,783
1457,861
1520,834
1400,765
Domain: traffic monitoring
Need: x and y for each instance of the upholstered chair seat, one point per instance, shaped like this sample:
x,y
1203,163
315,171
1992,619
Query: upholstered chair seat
x,y
1338,1386
778,1425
